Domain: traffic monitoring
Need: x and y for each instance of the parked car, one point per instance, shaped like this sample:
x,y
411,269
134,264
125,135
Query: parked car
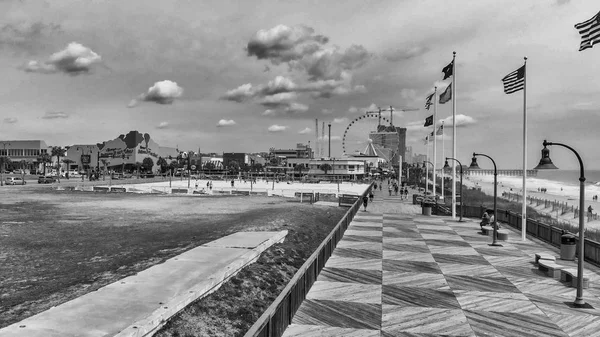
x,y
46,179
15,181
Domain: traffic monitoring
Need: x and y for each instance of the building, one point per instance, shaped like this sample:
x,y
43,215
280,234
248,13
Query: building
x,y
230,159
390,137
301,151
343,167
24,154
408,155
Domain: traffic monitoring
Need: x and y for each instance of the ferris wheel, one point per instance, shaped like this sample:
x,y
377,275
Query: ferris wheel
x,y
366,134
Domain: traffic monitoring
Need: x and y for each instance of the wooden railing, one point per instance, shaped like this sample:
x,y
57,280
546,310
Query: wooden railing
x,y
279,315
547,233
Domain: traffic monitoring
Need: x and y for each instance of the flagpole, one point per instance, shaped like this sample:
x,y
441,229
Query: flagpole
x,y
434,140
427,168
524,205
443,159
454,134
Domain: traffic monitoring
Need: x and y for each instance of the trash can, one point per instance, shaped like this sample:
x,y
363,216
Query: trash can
x,y
426,209
568,245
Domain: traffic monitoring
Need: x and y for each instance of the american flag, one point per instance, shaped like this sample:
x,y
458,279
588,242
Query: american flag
x,y
514,81
428,101
590,32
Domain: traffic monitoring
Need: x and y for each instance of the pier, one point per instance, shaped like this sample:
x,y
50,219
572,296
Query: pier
x,y
510,172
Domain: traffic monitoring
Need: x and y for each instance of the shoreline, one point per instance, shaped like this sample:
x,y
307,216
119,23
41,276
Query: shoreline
x,y
487,186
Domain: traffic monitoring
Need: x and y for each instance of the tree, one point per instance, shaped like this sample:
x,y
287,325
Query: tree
x,y
58,152
209,165
44,158
325,167
137,166
298,168
147,164
234,166
162,163
104,164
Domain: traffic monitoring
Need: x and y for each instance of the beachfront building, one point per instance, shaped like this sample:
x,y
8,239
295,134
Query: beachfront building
x,y
341,168
301,151
23,155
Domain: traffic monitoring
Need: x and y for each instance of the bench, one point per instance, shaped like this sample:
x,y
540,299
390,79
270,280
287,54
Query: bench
x,y
551,268
569,275
544,256
502,235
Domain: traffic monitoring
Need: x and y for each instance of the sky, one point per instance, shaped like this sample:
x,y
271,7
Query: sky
x,y
245,76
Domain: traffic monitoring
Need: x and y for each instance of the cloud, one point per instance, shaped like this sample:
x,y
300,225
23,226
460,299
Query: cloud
x,y
240,94
461,121
303,50
269,112
163,125
75,59
341,120
354,110
405,54
305,131
283,44
333,138
277,128
163,92
327,111
281,100
26,34
408,94
55,115
225,122
296,108
10,120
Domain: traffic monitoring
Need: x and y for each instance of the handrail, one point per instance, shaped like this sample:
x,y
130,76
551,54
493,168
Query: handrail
x,y
265,321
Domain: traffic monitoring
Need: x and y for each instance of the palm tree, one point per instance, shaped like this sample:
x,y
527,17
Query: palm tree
x,y
44,158
104,164
58,151
137,168
325,167
298,168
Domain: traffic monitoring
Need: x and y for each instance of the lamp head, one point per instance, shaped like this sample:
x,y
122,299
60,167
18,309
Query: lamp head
x,y
446,166
424,166
474,165
545,162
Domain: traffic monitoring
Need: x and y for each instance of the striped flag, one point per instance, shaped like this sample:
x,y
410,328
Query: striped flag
x,y
446,95
514,81
440,130
590,32
428,102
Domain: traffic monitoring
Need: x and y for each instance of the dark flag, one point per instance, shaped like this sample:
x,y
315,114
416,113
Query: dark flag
x,y
448,70
440,130
429,121
514,81
590,32
447,95
431,135
428,101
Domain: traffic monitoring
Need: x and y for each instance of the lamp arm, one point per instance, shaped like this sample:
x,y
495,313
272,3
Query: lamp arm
x,y
490,158
581,168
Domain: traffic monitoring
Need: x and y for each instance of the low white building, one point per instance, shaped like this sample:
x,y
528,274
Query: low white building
x,y
348,167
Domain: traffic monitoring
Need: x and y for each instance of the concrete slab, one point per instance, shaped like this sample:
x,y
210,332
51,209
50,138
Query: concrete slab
x,y
241,240
139,304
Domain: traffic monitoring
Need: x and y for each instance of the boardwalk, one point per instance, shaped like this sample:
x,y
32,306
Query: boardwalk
x,y
397,273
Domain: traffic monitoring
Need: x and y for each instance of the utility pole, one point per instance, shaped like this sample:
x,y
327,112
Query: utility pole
x,y
329,139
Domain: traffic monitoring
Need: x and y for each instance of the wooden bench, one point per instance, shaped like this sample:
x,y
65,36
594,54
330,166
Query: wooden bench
x,y
544,256
502,234
551,268
569,275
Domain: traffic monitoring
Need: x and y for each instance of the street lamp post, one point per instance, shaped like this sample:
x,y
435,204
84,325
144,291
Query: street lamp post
x,y
474,166
545,164
446,166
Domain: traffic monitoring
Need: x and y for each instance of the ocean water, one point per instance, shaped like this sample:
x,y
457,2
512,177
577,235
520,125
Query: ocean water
x,y
557,182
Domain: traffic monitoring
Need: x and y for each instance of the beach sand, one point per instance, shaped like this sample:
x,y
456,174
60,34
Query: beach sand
x,y
486,182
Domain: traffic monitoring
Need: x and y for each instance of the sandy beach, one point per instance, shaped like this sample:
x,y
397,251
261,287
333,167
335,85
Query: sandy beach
x,y
569,194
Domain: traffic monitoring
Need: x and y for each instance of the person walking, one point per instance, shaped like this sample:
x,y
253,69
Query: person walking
x,y
365,203
590,209
380,186
406,193
390,189
371,196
